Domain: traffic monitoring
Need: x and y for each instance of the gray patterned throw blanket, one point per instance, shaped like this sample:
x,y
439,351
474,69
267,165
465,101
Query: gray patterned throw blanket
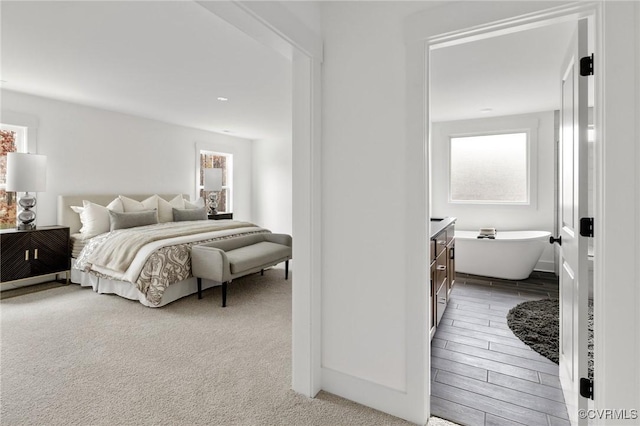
x,y
155,256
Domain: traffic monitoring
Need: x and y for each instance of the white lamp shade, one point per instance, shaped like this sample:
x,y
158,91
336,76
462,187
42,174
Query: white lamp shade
x,y
26,172
213,179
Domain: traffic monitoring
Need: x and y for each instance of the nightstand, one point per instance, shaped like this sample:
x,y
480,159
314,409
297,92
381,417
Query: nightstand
x,y
219,216
29,253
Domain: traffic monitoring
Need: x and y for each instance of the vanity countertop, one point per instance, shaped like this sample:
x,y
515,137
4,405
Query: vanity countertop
x,y
438,224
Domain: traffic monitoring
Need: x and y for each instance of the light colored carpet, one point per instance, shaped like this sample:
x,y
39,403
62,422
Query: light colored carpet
x,y
71,356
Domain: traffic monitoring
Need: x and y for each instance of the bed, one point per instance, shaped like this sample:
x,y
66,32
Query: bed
x,y
150,263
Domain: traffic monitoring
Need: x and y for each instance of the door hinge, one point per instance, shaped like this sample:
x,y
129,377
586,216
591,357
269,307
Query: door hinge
x,y
586,65
586,227
586,388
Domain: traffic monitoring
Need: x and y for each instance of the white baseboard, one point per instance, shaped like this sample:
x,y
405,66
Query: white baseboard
x,y
545,266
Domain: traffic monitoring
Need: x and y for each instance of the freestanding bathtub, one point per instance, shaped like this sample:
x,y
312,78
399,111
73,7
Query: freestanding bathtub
x,y
511,255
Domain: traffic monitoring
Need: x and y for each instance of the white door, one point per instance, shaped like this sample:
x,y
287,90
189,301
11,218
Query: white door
x,y
573,206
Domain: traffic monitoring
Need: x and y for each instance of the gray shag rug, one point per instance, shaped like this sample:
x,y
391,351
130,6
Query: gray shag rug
x,y
536,323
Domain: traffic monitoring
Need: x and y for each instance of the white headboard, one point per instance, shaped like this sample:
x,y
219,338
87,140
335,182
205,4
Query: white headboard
x,y
68,217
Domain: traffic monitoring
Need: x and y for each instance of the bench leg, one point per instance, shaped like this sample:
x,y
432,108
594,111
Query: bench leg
x,y
286,270
199,288
261,271
224,294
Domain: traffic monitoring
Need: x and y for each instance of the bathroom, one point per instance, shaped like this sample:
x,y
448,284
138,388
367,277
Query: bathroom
x,y
508,84
501,87
535,196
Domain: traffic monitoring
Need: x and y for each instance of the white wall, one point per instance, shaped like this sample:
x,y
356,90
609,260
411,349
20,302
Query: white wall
x,y
538,216
91,150
272,184
366,340
363,197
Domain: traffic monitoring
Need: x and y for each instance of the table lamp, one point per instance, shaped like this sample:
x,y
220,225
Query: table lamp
x,y
26,173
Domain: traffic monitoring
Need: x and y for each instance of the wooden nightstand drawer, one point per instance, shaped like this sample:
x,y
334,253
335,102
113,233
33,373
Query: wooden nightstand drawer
x,y
26,254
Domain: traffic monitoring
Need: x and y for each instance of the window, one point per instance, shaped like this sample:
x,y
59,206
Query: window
x,y
12,139
490,169
208,160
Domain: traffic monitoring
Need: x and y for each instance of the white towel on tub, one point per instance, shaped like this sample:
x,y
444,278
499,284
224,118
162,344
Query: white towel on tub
x,y
487,232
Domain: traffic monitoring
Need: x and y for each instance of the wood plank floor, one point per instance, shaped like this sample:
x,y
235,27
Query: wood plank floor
x,y
481,373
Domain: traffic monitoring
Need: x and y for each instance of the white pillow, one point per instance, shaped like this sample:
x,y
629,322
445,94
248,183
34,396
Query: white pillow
x,y
189,205
131,205
95,218
165,208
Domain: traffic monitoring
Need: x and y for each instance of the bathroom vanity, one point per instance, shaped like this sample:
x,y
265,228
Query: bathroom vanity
x,y
442,261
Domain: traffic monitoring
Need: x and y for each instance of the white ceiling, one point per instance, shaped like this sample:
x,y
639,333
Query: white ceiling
x,y
510,74
168,61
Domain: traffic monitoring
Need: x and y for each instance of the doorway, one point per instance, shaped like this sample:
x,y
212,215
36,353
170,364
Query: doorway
x,y
479,376
304,49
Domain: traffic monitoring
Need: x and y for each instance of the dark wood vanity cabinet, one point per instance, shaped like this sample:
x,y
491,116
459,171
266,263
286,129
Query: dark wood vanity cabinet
x,y
432,287
451,259
26,254
442,261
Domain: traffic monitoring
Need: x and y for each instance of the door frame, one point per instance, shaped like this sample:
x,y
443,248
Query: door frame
x,y
428,30
273,25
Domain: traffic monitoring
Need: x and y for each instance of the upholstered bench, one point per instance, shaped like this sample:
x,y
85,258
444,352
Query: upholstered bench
x,y
224,260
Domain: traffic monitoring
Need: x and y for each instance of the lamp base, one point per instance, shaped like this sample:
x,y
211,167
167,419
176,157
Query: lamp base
x,y
213,203
27,217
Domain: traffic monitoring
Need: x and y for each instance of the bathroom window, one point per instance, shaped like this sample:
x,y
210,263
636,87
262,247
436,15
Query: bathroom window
x,y
490,169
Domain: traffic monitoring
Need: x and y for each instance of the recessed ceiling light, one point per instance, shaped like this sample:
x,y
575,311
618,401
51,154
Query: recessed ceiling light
x,y
223,99
485,110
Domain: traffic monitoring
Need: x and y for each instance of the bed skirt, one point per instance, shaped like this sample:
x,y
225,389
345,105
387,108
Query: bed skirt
x,y
130,291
